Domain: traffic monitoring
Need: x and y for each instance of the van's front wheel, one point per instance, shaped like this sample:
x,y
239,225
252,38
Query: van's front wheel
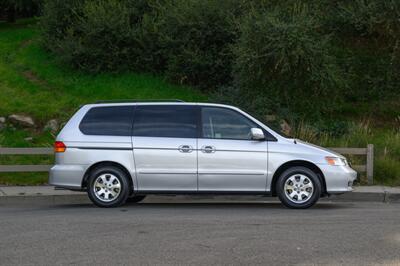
x,y
298,188
108,187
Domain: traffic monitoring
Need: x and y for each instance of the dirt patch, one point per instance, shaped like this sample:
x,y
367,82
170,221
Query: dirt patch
x,y
32,77
26,43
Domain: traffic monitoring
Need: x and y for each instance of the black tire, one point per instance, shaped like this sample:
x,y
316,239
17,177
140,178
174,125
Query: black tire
x,y
109,171
136,199
297,172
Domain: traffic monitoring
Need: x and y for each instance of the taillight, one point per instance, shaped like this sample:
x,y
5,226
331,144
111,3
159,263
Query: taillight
x,y
59,146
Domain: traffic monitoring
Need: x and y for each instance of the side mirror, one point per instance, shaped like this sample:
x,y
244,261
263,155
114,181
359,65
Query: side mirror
x,y
257,134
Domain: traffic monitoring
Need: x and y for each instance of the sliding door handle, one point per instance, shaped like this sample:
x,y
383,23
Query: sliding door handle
x,y
185,148
208,149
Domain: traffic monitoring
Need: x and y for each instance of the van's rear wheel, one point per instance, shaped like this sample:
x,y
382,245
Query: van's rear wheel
x,y
108,187
298,188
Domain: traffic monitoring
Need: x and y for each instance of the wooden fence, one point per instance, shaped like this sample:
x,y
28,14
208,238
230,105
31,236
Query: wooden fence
x,y
25,151
368,168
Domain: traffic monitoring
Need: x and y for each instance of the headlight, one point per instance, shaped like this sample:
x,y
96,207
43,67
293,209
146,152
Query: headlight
x,y
335,161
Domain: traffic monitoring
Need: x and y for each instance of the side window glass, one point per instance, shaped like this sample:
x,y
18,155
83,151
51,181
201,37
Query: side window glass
x,y
169,121
221,123
108,120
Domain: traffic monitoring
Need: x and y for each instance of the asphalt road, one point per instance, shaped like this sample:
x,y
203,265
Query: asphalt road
x,y
200,233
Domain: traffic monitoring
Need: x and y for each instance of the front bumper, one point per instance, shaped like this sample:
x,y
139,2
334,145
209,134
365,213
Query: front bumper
x,y
338,179
67,176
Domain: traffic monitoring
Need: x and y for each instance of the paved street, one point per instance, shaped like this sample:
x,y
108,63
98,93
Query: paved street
x,y
200,233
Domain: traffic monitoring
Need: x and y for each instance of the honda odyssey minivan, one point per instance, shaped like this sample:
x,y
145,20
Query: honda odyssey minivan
x,y
120,152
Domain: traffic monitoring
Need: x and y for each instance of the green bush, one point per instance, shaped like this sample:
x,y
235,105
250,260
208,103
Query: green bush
x,y
257,105
195,37
58,17
370,17
104,40
375,25
284,57
99,35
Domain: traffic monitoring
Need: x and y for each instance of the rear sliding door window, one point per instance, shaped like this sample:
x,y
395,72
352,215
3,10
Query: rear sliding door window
x,y
109,120
168,121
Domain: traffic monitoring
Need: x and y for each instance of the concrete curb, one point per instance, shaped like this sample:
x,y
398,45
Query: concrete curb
x,y
81,198
44,199
392,197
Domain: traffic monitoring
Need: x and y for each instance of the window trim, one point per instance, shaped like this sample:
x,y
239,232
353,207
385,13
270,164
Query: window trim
x,y
198,116
268,136
196,122
132,111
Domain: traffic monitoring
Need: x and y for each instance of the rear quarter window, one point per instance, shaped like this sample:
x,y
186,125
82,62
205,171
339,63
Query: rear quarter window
x,y
108,120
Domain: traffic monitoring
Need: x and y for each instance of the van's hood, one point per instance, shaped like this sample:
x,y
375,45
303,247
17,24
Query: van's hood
x,y
316,148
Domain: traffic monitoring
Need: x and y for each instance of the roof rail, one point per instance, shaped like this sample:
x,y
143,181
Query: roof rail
x,y
139,101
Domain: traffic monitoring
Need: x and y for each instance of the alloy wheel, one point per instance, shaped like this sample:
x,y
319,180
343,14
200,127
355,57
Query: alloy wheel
x,y
107,187
298,188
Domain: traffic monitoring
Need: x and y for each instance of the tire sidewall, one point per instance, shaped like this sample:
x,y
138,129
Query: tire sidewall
x,y
121,199
304,171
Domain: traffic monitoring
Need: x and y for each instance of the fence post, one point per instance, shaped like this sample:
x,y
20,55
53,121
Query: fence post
x,y
370,163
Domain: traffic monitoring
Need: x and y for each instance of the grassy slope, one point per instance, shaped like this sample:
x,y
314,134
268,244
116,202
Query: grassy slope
x,y
32,82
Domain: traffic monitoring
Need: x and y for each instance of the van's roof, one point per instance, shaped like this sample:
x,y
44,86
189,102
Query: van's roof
x,y
155,102
139,101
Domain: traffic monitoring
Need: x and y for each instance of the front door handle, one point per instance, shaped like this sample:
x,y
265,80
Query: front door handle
x,y
185,148
208,149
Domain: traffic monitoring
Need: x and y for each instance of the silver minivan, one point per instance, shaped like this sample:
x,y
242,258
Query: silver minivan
x,y
120,152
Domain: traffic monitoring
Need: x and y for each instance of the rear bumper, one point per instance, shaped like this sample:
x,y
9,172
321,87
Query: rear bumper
x,y
338,179
67,176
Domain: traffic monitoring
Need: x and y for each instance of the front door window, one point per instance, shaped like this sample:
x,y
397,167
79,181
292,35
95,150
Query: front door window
x,y
221,123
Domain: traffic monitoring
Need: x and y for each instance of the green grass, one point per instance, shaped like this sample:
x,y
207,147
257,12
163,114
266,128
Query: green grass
x,y
32,82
